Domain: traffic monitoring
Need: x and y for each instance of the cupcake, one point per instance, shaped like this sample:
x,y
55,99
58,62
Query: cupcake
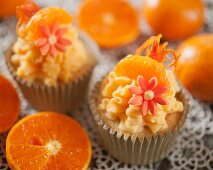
x,y
50,62
139,107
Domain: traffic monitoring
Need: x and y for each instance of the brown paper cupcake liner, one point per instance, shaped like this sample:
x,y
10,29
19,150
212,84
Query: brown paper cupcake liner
x,y
135,150
61,98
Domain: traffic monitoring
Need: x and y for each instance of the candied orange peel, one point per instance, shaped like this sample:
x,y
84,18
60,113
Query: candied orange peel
x,y
157,51
25,12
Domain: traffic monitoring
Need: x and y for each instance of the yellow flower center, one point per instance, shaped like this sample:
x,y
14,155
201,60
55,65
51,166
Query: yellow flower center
x,y
52,39
148,95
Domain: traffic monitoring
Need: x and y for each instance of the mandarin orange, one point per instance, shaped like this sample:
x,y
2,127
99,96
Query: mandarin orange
x,y
174,19
134,65
46,17
194,68
9,104
110,23
48,141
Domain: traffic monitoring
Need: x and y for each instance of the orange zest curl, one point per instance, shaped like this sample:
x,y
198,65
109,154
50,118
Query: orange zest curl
x,y
158,52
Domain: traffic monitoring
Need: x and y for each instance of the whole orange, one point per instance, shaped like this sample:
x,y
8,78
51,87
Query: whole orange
x,y
194,68
174,19
8,7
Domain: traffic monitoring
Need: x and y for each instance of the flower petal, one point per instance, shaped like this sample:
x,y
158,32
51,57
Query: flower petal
x,y
60,32
136,100
60,47
152,107
142,83
160,100
53,50
55,27
45,49
153,82
64,41
135,90
160,89
40,42
45,30
144,108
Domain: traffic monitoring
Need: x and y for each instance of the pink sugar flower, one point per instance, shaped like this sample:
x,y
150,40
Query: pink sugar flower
x,y
52,40
147,95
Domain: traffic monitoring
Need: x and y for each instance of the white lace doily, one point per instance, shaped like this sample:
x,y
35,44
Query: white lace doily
x,y
194,147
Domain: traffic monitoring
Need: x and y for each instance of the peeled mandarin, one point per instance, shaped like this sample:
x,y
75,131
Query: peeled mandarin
x,y
47,17
134,65
9,104
194,68
48,140
110,23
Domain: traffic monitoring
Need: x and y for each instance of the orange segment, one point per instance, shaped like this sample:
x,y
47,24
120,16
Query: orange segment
x,y
48,140
132,66
9,104
110,23
46,17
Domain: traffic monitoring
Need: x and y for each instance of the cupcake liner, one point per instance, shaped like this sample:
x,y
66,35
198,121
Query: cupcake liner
x,y
60,98
135,150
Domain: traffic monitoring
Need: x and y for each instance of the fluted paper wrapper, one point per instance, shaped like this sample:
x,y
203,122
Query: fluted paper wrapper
x,y
135,150
60,98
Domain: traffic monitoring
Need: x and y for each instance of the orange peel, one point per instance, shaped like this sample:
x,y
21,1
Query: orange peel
x,y
157,51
